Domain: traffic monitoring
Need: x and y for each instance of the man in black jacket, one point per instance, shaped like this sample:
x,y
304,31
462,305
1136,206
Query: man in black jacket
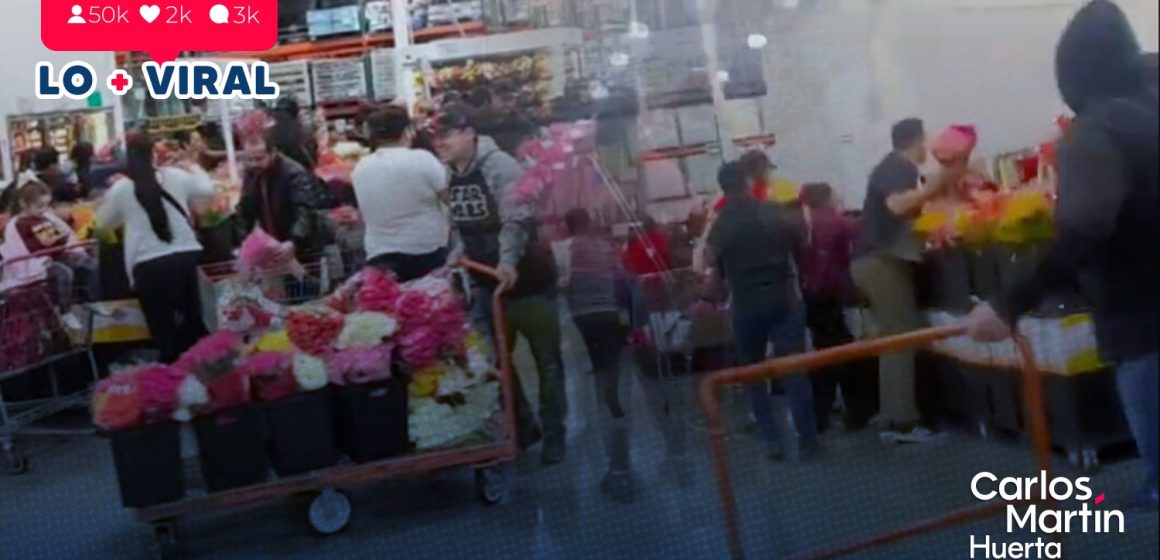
x,y
1106,226
283,198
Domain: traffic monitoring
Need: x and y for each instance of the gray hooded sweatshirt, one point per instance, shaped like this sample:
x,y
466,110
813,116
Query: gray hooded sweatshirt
x,y
492,226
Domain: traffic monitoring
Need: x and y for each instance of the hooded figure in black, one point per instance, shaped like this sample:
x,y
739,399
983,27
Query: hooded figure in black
x,y
1107,234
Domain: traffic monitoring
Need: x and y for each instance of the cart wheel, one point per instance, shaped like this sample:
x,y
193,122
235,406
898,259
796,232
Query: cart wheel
x,y
15,463
1073,456
168,547
491,484
984,431
329,512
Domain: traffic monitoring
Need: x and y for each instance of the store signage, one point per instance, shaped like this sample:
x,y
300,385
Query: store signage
x,y
162,28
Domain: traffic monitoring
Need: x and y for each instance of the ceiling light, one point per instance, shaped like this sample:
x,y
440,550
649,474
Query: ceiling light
x,y
757,41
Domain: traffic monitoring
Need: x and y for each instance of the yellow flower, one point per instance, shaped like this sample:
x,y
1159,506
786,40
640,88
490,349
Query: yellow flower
x,y
970,228
425,382
1027,218
274,341
930,222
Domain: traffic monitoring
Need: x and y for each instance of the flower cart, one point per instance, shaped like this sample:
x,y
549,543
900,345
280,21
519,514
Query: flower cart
x,y
374,381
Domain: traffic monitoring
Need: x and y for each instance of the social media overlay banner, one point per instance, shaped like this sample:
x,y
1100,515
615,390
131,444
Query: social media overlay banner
x,y
162,28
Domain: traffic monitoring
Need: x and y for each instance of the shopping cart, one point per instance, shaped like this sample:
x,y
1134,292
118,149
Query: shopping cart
x,y
678,315
329,509
46,317
811,362
293,284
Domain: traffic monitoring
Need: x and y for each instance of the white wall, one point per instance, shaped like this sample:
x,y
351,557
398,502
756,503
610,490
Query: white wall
x,y
841,73
20,32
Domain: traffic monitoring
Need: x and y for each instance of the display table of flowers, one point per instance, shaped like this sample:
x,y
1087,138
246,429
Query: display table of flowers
x,y
978,245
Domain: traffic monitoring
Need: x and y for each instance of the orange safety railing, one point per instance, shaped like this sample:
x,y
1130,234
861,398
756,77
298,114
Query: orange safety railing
x,y
707,391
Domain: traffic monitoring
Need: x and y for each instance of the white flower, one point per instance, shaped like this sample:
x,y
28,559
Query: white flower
x,y
478,363
366,330
191,394
310,372
456,380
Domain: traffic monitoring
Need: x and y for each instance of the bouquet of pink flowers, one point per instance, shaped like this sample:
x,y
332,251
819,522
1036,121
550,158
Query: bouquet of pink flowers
x,y
261,253
360,366
378,291
212,357
158,389
271,376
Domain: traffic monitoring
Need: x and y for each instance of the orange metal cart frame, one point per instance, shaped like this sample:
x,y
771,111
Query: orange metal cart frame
x,y
707,392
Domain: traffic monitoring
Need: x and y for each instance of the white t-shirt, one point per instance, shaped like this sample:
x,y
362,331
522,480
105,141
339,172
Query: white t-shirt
x,y
398,192
141,244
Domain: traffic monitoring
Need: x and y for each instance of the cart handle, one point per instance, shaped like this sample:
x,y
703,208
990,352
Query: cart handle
x,y
811,361
51,252
502,349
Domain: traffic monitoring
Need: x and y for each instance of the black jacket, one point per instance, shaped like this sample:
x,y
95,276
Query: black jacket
x,y
285,200
1106,215
753,245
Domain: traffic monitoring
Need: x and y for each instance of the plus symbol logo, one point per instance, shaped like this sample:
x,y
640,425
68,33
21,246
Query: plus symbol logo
x,y
119,82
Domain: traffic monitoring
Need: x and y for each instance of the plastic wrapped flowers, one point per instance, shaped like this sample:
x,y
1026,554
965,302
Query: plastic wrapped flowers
x,y
360,366
366,330
145,394
312,330
434,423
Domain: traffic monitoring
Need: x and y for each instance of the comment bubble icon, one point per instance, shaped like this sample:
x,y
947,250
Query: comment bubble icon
x,y
162,28
219,14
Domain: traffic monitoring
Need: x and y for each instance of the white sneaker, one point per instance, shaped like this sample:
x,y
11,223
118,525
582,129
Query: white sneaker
x,y
916,435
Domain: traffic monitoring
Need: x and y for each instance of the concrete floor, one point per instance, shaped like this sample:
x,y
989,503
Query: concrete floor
x,y
67,506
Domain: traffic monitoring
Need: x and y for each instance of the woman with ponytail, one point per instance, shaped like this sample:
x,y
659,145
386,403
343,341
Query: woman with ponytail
x,y
161,248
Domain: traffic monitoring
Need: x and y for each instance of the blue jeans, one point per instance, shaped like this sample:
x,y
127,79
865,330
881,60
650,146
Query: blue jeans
x,y
754,327
1136,380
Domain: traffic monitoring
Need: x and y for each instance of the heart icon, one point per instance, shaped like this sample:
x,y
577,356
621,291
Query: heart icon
x,y
150,13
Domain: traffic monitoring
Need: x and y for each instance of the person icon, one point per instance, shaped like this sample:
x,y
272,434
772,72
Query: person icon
x,y
76,15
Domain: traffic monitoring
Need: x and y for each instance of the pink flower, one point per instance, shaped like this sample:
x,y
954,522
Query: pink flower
x,y
228,391
271,376
212,356
360,366
158,386
261,252
252,124
420,347
379,292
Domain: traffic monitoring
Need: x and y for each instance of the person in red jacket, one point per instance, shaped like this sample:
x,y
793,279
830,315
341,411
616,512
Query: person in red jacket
x,y
648,250
824,270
